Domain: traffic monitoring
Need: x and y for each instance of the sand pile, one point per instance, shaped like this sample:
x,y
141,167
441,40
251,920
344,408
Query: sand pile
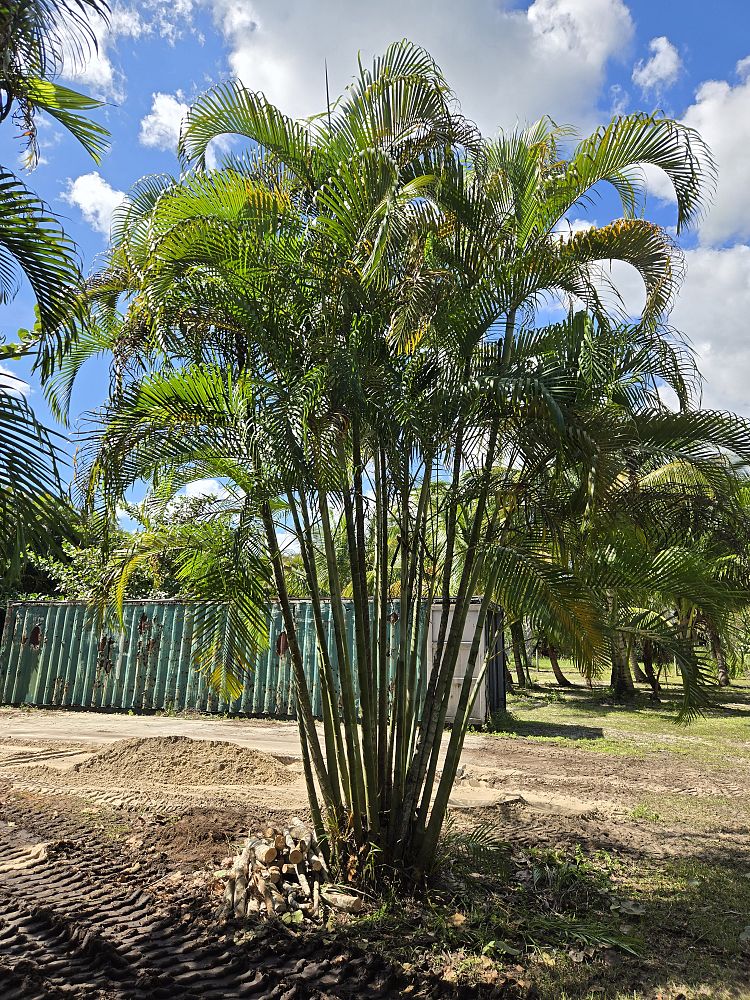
x,y
180,760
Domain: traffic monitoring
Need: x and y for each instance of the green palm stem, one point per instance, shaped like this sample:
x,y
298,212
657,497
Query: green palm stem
x,y
438,682
381,604
351,728
509,338
355,533
420,655
361,616
450,536
335,756
412,622
409,714
437,705
361,552
306,720
321,831
330,691
395,752
428,839
429,779
422,609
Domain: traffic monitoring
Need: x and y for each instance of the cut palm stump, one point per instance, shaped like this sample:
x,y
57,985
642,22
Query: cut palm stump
x,y
279,874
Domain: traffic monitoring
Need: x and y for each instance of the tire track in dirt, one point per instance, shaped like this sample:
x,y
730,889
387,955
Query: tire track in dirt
x,y
72,924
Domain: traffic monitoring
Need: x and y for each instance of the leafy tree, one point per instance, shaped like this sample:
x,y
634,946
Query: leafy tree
x,y
341,323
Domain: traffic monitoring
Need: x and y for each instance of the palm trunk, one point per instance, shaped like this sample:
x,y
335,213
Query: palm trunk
x,y
517,644
621,680
560,677
308,732
717,651
648,668
638,674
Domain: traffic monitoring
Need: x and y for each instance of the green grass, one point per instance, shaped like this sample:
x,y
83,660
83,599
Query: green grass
x,y
561,924
589,720
628,924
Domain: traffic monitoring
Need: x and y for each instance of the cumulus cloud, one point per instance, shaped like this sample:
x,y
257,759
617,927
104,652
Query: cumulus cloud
x,y
160,129
505,64
98,70
569,227
721,114
712,309
661,69
95,198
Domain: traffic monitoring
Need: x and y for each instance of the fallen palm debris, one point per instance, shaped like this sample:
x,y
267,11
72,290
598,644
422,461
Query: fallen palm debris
x,y
282,873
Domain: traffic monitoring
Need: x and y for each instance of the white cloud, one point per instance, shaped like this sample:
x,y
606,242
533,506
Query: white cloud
x,y
95,198
160,129
569,227
658,184
661,70
206,488
619,99
721,114
11,384
712,309
506,64
288,543
98,71
126,520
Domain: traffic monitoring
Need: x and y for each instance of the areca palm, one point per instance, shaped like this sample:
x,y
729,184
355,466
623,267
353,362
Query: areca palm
x,y
341,323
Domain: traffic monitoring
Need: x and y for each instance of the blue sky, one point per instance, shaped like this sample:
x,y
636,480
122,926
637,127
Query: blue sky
x,y
579,61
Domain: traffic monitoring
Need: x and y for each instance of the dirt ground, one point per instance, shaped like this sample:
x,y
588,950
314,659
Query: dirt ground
x,y
112,827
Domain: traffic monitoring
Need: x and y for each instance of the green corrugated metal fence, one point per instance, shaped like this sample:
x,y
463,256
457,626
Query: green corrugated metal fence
x,y
52,654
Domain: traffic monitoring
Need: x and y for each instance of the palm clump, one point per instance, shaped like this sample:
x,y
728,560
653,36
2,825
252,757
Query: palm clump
x,y
341,323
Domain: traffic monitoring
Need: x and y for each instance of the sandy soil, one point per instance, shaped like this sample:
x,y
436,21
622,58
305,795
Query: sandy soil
x,y
111,828
532,790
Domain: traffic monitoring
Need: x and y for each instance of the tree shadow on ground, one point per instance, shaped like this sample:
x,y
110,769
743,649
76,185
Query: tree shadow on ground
x,y
724,702
550,730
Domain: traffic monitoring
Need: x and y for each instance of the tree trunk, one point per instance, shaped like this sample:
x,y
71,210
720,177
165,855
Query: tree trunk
x,y
621,680
508,677
638,674
648,669
717,651
560,677
527,651
516,639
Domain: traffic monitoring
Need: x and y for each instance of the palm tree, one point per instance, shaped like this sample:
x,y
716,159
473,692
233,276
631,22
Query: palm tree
x,y
340,322
33,245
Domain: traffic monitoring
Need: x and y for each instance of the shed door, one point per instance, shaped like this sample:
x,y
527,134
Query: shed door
x,y
479,713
